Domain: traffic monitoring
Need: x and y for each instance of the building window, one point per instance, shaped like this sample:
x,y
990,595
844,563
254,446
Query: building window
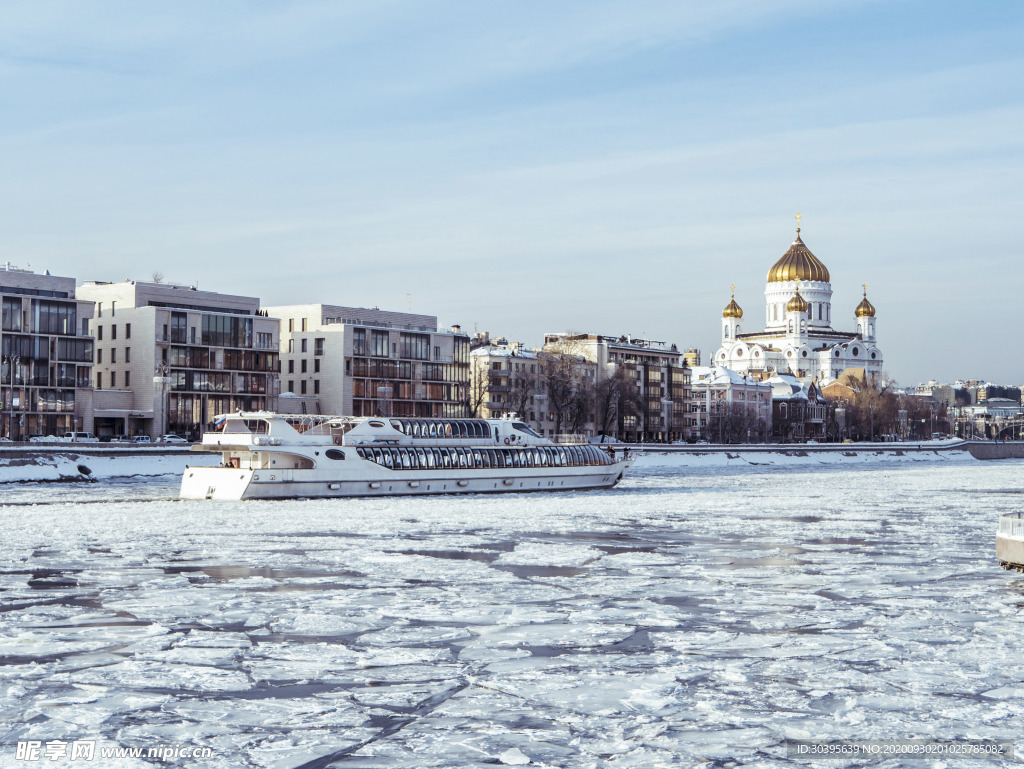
x,y
437,353
113,331
303,364
113,379
291,345
113,309
303,326
127,330
291,385
291,366
113,355
127,379
127,354
291,325
359,341
305,345
192,334
318,346
302,386
99,333
99,381
379,344
99,356
316,366
316,386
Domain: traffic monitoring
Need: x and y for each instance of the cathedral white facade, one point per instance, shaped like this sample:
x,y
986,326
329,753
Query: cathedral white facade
x,y
798,337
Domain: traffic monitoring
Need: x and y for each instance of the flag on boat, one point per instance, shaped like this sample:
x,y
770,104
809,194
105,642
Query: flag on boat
x,y
219,424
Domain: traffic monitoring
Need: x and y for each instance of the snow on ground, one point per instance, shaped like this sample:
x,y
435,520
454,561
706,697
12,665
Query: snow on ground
x,y
71,466
695,615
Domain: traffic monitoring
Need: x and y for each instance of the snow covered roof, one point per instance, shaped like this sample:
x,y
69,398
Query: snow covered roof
x,y
786,387
718,376
501,352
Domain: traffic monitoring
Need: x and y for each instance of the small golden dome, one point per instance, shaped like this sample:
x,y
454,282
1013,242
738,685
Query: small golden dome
x,y
798,263
732,310
865,309
797,303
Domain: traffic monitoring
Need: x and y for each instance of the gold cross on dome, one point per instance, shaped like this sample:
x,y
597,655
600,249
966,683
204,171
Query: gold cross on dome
x,y
733,289
865,289
798,217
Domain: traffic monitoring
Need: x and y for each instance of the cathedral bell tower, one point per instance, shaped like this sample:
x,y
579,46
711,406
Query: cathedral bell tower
x,y
865,313
731,316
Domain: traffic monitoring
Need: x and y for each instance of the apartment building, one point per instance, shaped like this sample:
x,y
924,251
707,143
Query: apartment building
x,y
170,358
46,356
729,407
648,382
366,361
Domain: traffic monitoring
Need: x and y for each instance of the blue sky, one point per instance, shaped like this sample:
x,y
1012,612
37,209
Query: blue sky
x,y
522,167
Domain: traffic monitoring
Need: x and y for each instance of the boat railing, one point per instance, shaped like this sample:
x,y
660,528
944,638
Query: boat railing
x,y
570,439
1012,525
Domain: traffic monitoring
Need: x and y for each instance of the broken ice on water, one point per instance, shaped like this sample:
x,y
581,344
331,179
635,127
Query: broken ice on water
x,y
693,615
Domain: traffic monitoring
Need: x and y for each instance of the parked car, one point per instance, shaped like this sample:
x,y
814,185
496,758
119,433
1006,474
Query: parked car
x,y
141,439
120,439
171,439
82,438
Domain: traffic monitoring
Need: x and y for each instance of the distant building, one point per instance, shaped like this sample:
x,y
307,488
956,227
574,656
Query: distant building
x,y
799,411
729,407
170,358
46,356
798,337
505,379
365,361
654,407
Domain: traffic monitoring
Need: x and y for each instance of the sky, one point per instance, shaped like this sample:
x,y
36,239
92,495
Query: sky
x,y
527,167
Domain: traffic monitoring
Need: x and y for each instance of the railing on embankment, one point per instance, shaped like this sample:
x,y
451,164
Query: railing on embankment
x,y
977,449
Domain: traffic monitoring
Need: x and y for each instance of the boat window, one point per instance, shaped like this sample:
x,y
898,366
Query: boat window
x,y
334,454
421,457
376,423
524,428
235,426
404,454
486,458
257,426
389,459
477,461
397,425
433,429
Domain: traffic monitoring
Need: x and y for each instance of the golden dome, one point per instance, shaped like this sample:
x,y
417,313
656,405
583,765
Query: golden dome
x,y
865,309
732,310
797,303
798,263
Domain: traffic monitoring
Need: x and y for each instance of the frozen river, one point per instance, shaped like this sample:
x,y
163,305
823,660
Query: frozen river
x,y
690,616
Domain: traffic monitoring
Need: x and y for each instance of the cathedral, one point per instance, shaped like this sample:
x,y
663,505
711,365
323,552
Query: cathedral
x,y
798,337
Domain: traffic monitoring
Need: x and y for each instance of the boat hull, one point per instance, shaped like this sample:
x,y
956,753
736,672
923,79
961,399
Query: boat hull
x,y
369,480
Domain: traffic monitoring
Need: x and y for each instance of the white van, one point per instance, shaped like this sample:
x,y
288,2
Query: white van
x,y
82,438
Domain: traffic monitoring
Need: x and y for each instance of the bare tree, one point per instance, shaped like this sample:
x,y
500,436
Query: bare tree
x,y
158,277
563,374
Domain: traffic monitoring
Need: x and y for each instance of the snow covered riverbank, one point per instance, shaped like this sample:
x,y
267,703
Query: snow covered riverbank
x,y
94,465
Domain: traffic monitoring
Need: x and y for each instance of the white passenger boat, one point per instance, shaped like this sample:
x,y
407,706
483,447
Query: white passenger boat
x,y
275,456
1010,541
